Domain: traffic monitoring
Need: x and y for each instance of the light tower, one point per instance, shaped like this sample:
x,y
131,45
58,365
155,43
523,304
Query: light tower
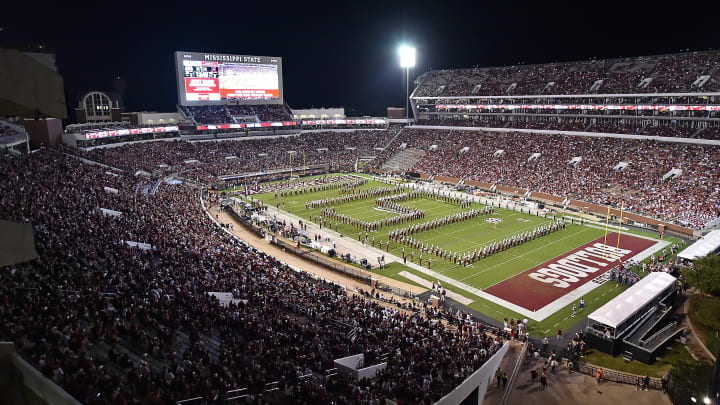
x,y
407,60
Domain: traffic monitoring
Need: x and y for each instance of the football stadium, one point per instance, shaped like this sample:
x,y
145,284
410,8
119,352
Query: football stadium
x,y
487,231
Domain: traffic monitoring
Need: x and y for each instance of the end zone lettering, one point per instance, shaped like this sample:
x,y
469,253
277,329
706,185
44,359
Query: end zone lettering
x,y
537,287
573,267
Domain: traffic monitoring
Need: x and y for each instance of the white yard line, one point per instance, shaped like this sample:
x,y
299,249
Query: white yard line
x,y
537,316
483,223
485,243
525,254
427,284
490,242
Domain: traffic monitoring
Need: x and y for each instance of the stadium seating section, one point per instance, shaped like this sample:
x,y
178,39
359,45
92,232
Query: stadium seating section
x,y
342,151
236,114
692,198
677,73
581,125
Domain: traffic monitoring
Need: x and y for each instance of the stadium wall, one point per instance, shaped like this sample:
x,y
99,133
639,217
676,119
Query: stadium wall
x,y
37,389
632,217
479,381
480,184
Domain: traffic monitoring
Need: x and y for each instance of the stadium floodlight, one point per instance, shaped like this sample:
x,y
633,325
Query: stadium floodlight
x,y
407,56
706,400
407,61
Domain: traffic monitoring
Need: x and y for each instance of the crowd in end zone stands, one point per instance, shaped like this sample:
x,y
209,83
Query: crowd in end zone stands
x,y
223,114
115,324
692,198
675,73
252,155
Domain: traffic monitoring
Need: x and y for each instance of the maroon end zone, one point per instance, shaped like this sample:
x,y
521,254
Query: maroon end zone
x,y
543,284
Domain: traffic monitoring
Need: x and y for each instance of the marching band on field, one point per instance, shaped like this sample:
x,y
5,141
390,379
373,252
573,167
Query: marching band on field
x,y
389,198
408,216
385,195
320,184
447,198
402,236
356,196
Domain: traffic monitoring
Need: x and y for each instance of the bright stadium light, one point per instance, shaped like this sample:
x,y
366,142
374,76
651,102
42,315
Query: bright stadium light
x,y
407,56
407,61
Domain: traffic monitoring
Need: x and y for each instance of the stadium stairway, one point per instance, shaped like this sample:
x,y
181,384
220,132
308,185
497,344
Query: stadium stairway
x,y
404,160
644,325
669,331
186,114
653,331
390,142
697,133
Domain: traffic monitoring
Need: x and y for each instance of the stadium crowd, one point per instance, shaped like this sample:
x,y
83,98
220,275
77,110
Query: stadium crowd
x,y
629,127
224,114
114,322
692,198
645,74
338,150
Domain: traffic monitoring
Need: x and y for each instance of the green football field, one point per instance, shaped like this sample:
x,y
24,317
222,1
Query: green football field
x,y
463,237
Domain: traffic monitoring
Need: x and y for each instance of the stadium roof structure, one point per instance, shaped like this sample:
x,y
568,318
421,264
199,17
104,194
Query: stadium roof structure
x,y
707,244
31,86
635,298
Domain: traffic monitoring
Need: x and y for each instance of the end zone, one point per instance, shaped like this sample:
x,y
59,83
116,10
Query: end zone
x,y
544,289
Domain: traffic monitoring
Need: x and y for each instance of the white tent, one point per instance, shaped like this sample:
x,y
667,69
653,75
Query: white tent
x,y
619,309
705,245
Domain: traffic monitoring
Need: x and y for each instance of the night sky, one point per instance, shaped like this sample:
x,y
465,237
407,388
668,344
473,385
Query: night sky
x,y
341,56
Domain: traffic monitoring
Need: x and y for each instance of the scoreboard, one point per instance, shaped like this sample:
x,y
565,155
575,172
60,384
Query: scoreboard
x,y
210,78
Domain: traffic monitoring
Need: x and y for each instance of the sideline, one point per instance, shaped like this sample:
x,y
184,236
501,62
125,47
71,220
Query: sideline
x,y
300,264
427,284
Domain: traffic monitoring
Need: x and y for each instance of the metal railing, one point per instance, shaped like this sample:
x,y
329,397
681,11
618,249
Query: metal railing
x,y
513,376
327,262
272,386
27,288
394,290
662,335
618,376
329,373
190,401
237,394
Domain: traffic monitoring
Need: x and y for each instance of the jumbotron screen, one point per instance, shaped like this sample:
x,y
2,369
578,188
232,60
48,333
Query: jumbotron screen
x,y
211,78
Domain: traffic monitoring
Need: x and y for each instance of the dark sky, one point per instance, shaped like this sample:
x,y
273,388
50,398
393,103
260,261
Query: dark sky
x,y
342,53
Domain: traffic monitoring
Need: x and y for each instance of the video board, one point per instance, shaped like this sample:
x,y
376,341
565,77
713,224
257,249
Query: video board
x,y
212,78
